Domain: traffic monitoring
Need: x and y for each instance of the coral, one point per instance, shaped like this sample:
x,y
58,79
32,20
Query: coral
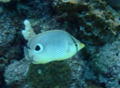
x,y
107,62
28,31
34,9
78,67
108,82
10,48
16,71
114,3
94,19
7,33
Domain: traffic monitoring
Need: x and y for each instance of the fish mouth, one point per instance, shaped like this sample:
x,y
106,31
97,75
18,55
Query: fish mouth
x,y
82,45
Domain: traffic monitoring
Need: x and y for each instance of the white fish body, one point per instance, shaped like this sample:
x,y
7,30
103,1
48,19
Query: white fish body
x,y
54,45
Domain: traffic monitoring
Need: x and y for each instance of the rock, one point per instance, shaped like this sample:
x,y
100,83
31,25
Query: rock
x,y
7,33
16,72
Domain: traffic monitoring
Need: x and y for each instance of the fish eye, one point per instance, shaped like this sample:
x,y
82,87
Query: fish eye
x,y
38,47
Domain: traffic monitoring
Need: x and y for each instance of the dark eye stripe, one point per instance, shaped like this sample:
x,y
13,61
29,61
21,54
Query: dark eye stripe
x,y
75,43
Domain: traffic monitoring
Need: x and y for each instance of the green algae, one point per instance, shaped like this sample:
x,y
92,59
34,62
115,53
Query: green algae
x,y
51,75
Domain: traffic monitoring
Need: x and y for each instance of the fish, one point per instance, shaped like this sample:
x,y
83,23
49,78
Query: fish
x,y
52,45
